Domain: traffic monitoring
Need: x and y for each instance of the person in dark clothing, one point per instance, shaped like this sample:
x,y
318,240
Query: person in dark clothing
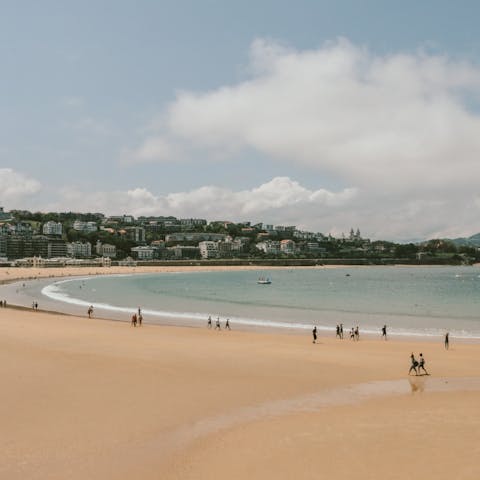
x,y
414,364
314,334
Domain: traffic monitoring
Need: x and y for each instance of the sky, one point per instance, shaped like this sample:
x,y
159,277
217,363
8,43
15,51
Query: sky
x,y
327,115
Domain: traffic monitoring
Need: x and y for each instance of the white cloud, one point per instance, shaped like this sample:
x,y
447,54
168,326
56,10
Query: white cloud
x,y
15,186
365,118
277,200
398,129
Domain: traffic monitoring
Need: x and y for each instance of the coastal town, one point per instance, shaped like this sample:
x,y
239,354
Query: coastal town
x,y
54,239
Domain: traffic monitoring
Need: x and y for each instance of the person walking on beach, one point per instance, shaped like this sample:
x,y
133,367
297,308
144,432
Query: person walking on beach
x,y
314,333
447,341
209,322
140,319
337,335
352,334
421,364
90,311
341,331
134,320
357,333
384,332
227,324
217,324
414,364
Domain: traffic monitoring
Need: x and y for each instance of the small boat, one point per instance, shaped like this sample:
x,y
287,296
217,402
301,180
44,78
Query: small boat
x,y
264,281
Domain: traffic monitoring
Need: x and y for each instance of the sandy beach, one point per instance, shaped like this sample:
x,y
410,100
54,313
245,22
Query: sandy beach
x,y
84,398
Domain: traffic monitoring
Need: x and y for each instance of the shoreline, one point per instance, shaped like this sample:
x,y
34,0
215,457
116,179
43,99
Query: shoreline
x,y
51,275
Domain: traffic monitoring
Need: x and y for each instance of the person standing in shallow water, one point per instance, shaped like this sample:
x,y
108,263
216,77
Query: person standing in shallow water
x,y
447,341
384,332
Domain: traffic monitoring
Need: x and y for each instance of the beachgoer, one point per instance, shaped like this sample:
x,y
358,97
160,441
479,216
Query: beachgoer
x,y
421,364
447,341
227,324
384,332
134,320
36,305
90,311
1,303
140,319
352,334
341,331
139,311
414,364
209,322
357,333
338,332
217,324
314,333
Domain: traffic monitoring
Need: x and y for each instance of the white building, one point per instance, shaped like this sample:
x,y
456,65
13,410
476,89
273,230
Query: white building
x,y
208,249
269,247
79,249
87,227
106,249
143,252
52,228
287,247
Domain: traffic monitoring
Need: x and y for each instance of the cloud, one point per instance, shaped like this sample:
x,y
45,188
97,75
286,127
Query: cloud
x,y
399,128
393,120
277,200
15,186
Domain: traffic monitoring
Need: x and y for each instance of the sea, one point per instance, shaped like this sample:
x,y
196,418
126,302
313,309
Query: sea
x,y
411,301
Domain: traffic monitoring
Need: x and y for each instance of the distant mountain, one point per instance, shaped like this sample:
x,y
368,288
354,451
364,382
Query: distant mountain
x,y
473,241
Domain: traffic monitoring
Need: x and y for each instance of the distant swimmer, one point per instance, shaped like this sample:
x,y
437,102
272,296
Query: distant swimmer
x,y
384,332
314,334
413,365
447,341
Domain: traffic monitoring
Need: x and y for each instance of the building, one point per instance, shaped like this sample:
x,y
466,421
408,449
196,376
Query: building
x,y
208,249
194,237
188,223
56,248
87,227
79,249
271,247
287,247
143,252
105,249
52,228
136,234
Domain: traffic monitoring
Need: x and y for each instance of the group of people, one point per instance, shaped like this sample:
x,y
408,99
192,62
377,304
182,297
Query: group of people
x,y
417,365
3,303
137,318
218,325
354,332
34,305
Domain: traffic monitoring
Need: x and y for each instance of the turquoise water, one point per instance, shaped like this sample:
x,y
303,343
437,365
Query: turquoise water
x,y
410,300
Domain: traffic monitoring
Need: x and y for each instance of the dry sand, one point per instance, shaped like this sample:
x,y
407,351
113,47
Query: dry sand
x,y
90,399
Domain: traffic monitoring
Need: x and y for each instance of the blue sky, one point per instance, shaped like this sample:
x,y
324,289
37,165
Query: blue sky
x,y
327,115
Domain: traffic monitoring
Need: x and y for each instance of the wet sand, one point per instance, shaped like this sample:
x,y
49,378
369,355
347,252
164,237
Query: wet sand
x,y
83,398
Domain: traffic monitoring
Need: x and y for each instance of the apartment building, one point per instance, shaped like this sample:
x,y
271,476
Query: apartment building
x,y
52,228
